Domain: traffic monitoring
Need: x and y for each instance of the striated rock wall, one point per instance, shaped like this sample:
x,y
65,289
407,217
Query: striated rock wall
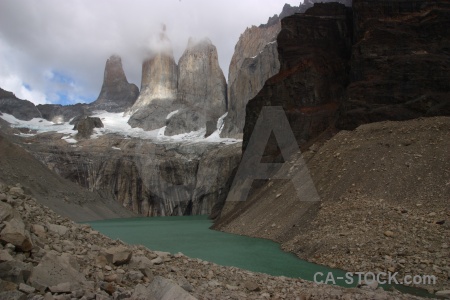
x,y
147,178
202,88
116,94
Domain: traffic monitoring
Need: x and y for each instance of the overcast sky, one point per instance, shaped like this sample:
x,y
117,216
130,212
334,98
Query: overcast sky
x,y
54,51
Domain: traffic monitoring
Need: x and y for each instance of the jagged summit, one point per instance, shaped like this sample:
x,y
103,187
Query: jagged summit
x,y
113,70
117,94
182,97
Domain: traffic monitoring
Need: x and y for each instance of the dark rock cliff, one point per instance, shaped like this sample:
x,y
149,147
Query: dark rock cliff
x,y
400,65
314,51
340,68
255,60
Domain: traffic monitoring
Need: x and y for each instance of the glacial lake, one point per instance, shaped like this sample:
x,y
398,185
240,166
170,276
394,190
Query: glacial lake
x,y
191,236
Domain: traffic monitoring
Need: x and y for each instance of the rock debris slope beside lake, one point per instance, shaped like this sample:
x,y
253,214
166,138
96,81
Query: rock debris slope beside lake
x,y
116,94
45,256
384,205
202,88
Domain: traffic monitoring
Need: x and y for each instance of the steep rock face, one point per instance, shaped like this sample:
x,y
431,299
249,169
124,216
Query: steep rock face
x,y
21,109
254,61
116,94
400,66
202,88
158,89
314,49
147,178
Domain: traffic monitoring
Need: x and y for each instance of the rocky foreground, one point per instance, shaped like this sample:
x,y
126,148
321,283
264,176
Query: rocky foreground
x,y
45,256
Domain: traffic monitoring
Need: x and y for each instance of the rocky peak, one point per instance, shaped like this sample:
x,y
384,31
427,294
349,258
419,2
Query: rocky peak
x,y
158,87
113,71
116,94
159,74
201,81
202,88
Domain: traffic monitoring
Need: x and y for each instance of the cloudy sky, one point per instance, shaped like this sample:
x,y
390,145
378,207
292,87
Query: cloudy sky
x,y
54,51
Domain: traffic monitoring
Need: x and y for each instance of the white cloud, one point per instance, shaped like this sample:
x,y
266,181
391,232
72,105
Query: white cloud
x,y
74,38
14,83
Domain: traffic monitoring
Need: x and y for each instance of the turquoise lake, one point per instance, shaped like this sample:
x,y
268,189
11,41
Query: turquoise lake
x,y
191,236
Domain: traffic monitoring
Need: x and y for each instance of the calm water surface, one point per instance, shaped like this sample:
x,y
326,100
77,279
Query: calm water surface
x,y
191,236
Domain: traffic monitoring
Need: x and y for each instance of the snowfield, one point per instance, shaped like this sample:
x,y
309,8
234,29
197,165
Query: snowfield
x,y
117,123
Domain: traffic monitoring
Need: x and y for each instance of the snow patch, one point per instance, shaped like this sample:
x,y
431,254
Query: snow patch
x,y
117,123
171,114
69,139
